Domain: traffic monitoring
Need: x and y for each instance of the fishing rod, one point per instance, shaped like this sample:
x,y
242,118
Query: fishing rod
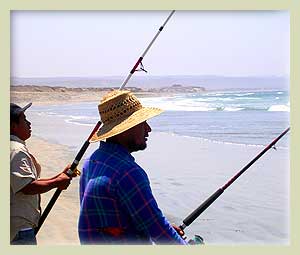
x,y
73,168
70,172
139,61
195,214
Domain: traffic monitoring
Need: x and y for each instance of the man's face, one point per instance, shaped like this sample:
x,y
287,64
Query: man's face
x,y
136,137
21,129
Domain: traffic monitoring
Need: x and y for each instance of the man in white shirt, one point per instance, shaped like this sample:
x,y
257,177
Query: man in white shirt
x,y
25,185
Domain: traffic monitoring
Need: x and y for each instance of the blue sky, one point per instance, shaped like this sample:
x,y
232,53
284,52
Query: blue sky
x,y
104,43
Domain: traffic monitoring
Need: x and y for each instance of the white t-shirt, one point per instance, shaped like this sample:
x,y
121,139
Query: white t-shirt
x,y
24,209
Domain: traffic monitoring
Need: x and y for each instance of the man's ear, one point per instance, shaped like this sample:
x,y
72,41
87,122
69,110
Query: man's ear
x,y
13,127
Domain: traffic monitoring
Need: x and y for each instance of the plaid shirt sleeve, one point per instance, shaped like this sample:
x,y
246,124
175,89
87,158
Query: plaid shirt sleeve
x,y
137,199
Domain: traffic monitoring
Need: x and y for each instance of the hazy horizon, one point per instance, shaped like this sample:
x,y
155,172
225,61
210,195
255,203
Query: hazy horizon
x,y
209,82
108,43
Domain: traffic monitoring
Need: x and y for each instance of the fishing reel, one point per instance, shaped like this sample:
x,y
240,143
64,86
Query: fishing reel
x,y
196,240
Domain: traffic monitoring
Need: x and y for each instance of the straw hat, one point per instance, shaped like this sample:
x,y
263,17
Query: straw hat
x,y
119,111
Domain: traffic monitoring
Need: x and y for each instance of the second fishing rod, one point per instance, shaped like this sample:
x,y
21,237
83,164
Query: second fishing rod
x,y
73,168
209,201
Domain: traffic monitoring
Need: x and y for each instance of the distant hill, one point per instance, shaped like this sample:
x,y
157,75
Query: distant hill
x,y
208,82
177,88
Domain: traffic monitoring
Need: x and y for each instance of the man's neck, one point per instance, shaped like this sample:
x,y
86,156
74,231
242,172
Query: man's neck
x,y
115,140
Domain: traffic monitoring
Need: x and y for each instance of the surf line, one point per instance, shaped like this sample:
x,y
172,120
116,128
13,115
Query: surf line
x,y
197,212
73,169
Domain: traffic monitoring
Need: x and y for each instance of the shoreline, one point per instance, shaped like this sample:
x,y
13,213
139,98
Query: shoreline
x,y
47,95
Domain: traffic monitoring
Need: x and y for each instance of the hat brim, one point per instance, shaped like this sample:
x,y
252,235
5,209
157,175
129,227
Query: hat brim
x,y
16,110
26,107
134,119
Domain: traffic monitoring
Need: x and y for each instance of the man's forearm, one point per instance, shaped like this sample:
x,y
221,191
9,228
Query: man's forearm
x,y
39,186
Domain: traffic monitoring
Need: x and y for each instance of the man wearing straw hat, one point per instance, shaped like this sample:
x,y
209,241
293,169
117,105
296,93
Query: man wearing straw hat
x,y
116,202
25,185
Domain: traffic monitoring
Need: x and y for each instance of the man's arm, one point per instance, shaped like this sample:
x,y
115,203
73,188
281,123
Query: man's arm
x,y
61,182
24,179
138,200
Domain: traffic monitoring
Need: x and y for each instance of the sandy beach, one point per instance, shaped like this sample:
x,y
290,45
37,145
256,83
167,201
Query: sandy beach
x,y
60,227
183,171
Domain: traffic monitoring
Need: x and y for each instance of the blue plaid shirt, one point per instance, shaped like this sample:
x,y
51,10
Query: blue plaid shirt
x,y
117,204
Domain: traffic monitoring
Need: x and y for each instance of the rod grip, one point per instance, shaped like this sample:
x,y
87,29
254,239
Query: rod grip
x,y
195,214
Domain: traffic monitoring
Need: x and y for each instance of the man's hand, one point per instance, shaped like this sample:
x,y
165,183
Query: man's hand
x,y
178,230
63,181
75,173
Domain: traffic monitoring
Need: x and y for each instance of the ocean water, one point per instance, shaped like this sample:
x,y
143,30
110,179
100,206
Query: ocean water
x,y
242,117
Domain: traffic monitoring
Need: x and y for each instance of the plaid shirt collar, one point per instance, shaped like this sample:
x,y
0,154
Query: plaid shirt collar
x,y
113,147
